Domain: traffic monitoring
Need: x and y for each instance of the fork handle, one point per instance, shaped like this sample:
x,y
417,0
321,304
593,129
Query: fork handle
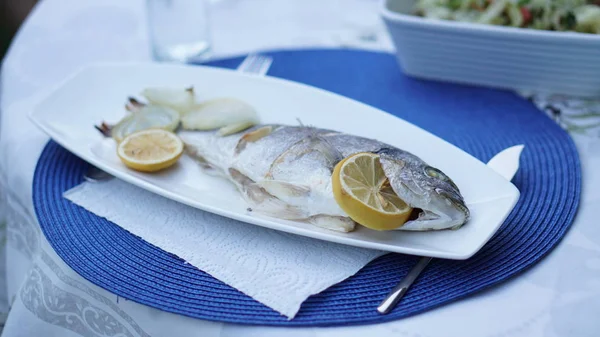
x,y
399,290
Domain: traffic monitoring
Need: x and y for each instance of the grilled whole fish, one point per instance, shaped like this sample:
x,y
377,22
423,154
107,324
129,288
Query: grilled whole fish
x,y
285,172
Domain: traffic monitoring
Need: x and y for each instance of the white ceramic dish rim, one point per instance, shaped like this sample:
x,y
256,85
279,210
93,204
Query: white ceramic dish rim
x,y
489,30
512,198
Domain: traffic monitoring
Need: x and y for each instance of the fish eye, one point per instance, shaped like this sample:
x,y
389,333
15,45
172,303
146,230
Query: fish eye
x,y
435,173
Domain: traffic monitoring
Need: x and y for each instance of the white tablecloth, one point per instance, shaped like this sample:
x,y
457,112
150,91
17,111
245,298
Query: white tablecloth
x,y
42,296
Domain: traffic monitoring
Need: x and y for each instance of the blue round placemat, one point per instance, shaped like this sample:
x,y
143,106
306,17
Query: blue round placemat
x,y
481,121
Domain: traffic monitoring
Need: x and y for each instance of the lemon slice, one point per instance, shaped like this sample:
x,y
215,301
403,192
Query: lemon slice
x,y
150,150
362,190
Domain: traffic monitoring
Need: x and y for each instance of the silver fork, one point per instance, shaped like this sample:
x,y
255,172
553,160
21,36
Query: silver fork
x,y
255,64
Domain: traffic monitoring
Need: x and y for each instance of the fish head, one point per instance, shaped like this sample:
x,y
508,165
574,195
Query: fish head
x,y
426,189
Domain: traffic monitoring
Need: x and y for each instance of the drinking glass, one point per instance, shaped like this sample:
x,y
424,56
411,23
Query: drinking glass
x,y
179,29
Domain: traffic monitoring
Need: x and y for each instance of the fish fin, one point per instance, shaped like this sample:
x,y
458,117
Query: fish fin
x,y
262,201
193,153
276,208
284,190
265,203
335,223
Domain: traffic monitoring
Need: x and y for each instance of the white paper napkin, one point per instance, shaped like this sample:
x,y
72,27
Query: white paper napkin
x,y
278,269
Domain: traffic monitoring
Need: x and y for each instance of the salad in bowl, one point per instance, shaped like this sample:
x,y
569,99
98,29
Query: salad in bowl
x,y
554,15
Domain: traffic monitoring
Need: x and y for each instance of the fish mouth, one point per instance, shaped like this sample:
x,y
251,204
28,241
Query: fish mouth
x,y
457,201
442,211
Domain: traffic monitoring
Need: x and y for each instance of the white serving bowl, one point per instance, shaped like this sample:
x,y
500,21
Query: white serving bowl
x,y
494,56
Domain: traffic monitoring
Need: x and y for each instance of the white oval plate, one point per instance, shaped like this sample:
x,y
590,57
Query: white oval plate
x,y
98,93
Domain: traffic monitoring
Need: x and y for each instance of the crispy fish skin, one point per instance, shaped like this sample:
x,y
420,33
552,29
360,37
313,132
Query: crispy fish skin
x,y
285,171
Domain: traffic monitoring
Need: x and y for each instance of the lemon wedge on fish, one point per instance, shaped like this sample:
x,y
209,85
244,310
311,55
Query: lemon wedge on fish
x,y
362,190
150,150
